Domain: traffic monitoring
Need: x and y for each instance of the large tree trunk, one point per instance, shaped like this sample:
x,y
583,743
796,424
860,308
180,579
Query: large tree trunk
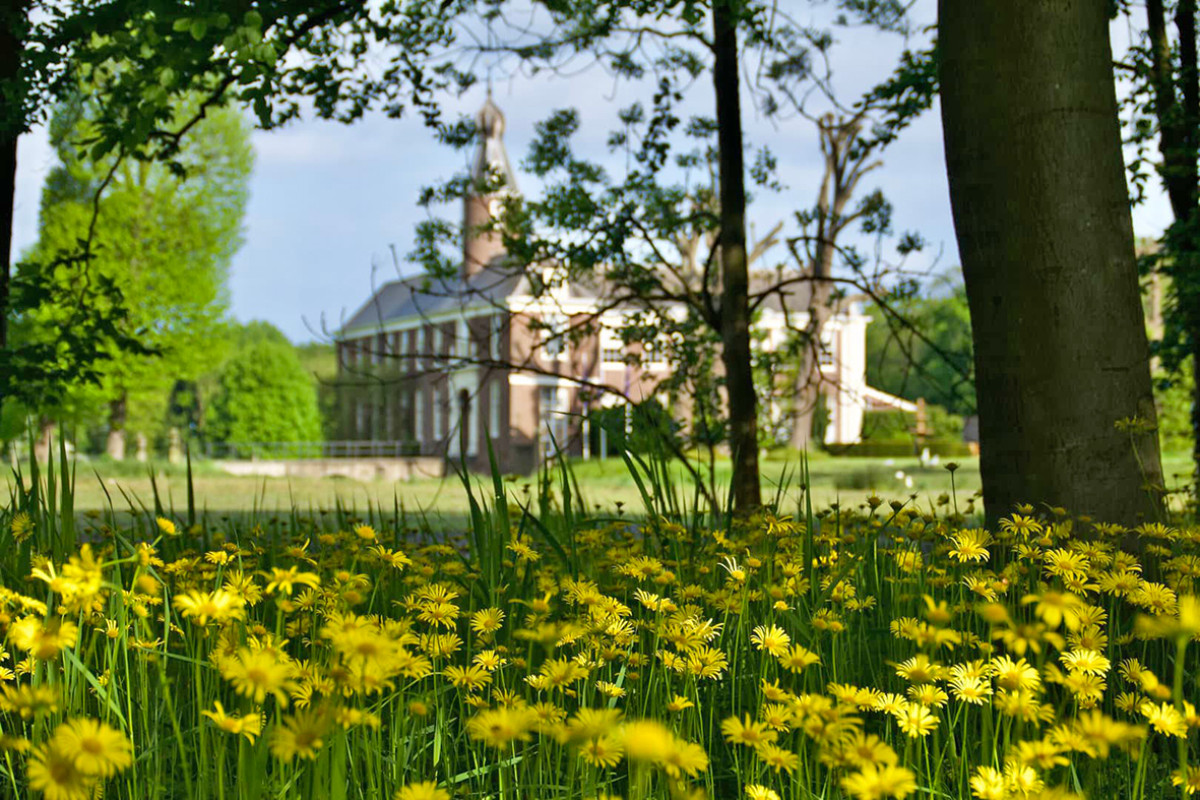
x,y
1041,212
12,123
117,413
735,277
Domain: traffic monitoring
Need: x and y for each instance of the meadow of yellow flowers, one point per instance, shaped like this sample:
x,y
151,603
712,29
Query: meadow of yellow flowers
x,y
887,650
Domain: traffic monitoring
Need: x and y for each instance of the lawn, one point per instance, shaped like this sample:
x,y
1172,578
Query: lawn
x,y
605,485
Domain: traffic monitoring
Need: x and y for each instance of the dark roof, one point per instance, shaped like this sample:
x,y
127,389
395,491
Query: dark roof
x,y
423,296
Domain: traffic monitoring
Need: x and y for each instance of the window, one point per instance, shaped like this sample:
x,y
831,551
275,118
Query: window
x,y
613,351
360,419
553,421
553,335
422,347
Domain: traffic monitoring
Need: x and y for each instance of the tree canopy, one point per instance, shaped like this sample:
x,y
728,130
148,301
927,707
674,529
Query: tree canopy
x,y
264,394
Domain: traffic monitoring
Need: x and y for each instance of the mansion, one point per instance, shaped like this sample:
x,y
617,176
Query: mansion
x,y
440,366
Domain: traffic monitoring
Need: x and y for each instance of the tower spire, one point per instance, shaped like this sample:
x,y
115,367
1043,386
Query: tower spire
x,y
491,165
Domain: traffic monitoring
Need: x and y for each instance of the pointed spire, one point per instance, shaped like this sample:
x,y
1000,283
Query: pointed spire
x,y
481,246
491,154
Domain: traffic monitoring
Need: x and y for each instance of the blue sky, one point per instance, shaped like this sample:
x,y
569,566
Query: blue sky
x,y
328,201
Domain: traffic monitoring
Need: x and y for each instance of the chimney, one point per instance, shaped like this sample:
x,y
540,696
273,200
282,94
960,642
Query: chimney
x,y
491,161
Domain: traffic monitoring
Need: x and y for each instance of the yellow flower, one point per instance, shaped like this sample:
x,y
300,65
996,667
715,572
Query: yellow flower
x,y
1087,661
53,773
916,720
1189,780
21,526
920,669
970,689
43,641
285,580
1165,719
166,526
777,758
365,532
604,751
487,620
797,659
685,758
395,558
29,701
217,606
470,678
875,783
679,703
988,784
1017,674
647,740
498,727
772,639
970,545
96,750
590,723
756,791
427,790
300,735
744,731
249,725
258,673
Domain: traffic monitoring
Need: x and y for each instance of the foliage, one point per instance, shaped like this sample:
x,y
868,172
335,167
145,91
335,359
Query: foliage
x,y
901,426
649,425
164,239
861,652
264,394
1173,395
319,360
920,346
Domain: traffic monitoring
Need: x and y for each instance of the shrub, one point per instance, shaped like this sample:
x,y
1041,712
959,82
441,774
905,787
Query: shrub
x,y
264,395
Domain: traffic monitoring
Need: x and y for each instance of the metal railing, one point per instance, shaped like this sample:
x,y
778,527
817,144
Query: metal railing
x,y
302,450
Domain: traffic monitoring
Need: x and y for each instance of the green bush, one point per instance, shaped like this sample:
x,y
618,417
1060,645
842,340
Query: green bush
x,y
264,394
1173,396
651,428
900,426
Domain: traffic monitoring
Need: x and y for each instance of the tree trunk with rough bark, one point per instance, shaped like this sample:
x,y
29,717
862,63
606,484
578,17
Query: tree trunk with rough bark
x,y
1041,212
12,124
735,274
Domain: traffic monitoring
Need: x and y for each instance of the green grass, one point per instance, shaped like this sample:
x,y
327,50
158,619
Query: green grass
x,y
604,484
